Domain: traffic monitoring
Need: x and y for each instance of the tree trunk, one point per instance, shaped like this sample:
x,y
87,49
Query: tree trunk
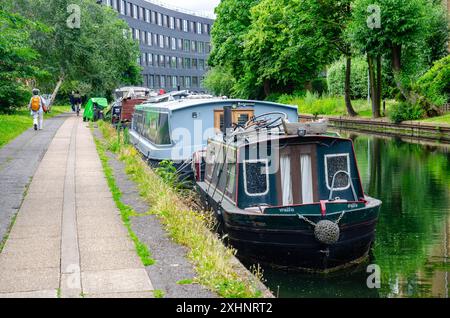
x,y
373,89
379,83
266,87
348,102
397,69
55,91
396,57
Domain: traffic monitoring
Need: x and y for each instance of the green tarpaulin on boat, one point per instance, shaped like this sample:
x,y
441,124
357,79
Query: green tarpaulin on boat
x,y
89,114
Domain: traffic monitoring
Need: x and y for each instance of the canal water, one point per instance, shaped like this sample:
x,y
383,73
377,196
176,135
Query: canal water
x,y
413,234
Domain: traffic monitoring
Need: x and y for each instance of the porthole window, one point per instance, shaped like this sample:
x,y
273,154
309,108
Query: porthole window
x,y
333,164
256,177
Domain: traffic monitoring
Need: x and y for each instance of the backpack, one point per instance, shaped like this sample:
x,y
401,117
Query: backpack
x,y
35,103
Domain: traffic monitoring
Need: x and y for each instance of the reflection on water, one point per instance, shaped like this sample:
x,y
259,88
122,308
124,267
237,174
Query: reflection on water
x,y
413,234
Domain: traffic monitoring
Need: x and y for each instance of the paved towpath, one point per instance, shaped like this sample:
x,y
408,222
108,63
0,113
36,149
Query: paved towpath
x,y
19,160
68,239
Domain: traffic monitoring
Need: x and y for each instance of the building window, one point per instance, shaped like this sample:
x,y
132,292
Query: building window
x,y
200,47
187,63
150,59
151,81
193,46
149,39
163,81
122,7
141,13
191,26
173,62
173,44
185,26
186,45
187,82
155,39
157,81
161,41
147,15
153,17
201,64
166,42
195,81
205,28
136,35
178,24
155,60
159,19
165,20
161,61
180,44
143,37
199,28
167,61
174,82
194,64
172,23
179,62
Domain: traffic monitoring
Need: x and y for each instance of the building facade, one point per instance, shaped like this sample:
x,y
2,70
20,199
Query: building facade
x,y
175,44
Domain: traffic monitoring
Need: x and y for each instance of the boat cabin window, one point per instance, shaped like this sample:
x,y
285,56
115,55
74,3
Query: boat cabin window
x,y
239,116
256,174
153,125
333,164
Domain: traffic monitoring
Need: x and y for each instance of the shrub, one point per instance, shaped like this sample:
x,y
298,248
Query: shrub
x,y
13,95
319,86
435,84
358,79
406,111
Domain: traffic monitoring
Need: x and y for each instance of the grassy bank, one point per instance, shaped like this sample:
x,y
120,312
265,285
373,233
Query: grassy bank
x,y
313,104
213,262
445,119
12,125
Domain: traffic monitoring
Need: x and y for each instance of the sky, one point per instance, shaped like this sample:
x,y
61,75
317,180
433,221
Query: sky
x,y
194,5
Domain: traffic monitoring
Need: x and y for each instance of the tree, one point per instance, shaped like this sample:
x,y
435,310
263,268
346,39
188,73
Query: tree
x,y
331,17
283,47
97,53
231,25
16,60
404,26
219,81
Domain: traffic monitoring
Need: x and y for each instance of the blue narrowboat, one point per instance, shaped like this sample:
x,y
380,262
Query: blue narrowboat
x,y
288,194
174,130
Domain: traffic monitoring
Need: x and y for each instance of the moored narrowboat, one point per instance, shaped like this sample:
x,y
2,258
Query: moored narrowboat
x,y
288,194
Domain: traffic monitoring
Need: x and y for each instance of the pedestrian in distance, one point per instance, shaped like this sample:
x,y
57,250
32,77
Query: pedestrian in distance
x,y
72,100
37,107
77,101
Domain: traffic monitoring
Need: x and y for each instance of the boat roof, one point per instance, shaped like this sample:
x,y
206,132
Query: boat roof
x,y
186,103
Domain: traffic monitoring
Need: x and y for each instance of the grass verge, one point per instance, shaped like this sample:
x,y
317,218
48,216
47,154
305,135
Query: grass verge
x,y
12,125
212,260
312,104
126,212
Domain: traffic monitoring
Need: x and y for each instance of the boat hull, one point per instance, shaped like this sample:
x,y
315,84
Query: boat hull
x,y
288,241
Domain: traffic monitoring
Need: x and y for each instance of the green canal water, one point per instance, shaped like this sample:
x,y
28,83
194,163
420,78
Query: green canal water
x,y
413,233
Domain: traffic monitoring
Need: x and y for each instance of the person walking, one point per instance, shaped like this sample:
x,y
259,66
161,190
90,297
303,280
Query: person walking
x,y
77,101
37,107
72,100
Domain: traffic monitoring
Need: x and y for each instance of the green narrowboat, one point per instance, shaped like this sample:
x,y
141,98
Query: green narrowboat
x,y
288,194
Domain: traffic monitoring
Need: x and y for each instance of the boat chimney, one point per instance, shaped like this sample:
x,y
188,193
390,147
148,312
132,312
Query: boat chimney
x,y
227,120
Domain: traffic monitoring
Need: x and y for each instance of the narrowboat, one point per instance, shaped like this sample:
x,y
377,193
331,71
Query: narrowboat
x,y
288,194
126,99
174,130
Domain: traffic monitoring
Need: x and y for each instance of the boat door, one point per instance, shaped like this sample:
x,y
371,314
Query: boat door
x,y
297,176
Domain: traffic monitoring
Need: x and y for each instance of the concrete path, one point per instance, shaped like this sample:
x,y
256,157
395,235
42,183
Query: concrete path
x,y
19,160
68,239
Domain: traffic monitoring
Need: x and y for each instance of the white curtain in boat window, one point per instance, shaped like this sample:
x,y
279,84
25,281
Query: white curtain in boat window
x,y
286,180
306,173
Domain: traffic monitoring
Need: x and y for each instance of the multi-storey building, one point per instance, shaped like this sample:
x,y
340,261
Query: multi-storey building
x,y
174,43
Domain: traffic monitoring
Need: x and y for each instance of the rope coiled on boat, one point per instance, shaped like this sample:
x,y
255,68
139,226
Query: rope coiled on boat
x,y
325,231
